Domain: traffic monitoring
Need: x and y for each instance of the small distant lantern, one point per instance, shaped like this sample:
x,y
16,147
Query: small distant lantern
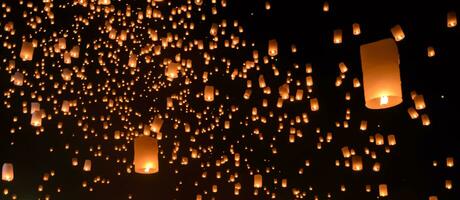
x,y
451,19
314,105
27,51
398,33
383,190
430,52
356,29
425,120
172,70
380,66
338,36
17,78
419,102
284,91
357,163
66,74
450,162
412,113
391,140
87,166
132,62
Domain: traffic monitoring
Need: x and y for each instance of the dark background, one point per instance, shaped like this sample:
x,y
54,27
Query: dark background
x,y
407,170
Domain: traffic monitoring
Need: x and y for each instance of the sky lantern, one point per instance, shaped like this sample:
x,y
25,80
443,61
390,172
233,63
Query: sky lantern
x,y
272,48
326,6
87,165
383,190
419,102
451,19
398,33
172,70
7,172
27,51
284,91
146,155
17,78
338,36
412,113
36,119
314,105
356,29
381,79
209,93
357,163
257,181
450,162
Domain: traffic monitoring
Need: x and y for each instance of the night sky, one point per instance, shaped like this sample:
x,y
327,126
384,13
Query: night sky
x,y
109,96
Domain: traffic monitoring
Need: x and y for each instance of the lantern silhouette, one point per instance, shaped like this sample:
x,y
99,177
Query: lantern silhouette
x,y
27,51
7,172
398,33
145,155
272,48
381,79
257,181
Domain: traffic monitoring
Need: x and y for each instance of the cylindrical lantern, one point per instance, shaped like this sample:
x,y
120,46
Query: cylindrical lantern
x,y
27,51
419,102
262,81
398,33
146,155
7,172
391,140
257,181
412,113
451,19
356,29
314,105
380,66
17,78
379,140
425,120
272,47
284,91
209,93
450,162
383,190
338,36
172,71
87,166
357,163
36,119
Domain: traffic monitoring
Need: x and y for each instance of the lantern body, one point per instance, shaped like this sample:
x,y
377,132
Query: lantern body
x,y
172,70
383,191
7,172
398,33
146,155
87,166
17,79
27,51
338,36
419,102
314,105
381,80
357,163
257,181
272,47
284,91
132,62
36,119
356,29
451,19
209,93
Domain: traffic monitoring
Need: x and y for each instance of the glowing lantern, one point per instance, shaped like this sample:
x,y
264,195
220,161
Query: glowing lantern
x,y
379,140
380,66
103,2
345,152
284,183
257,181
27,51
430,52
262,81
36,119
448,184
314,105
309,81
272,48
156,124
356,29
75,52
17,78
172,70
87,166
284,91
383,190
65,106
326,7
343,68
412,113
209,93
338,36
376,167
356,83
132,62
213,30
7,172
432,198
357,163
391,140
145,155
419,102
66,74
451,19
450,162
425,120
398,33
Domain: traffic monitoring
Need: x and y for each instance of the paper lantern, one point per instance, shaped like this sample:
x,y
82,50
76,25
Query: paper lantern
x,y
87,166
357,163
383,190
391,140
412,113
381,79
379,140
36,119
7,172
172,70
419,102
17,78
75,52
430,52
156,125
145,155
209,93
27,51
284,183
345,152
66,74
356,83
376,167
425,120
284,91
309,81
257,181
65,106
326,7
338,36
448,184
343,68
132,62
103,2
451,19
314,105
356,29
272,48
398,33
450,162
432,198
262,81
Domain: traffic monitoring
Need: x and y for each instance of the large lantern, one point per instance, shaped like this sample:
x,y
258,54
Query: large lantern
x,y
146,155
381,79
